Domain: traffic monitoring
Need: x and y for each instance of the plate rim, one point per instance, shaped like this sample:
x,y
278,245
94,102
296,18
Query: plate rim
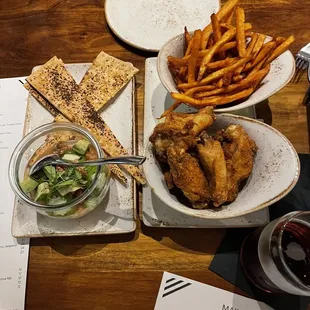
x,y
137,46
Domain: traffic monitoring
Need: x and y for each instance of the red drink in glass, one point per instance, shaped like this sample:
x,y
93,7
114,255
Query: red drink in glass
x,y
276,258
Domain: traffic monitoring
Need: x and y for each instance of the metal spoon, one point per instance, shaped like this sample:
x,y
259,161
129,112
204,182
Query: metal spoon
x,y
54,159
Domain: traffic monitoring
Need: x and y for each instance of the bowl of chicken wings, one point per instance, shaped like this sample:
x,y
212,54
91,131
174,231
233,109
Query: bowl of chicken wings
x,y
218,167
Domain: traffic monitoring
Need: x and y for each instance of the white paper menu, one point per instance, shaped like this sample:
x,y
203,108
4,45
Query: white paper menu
x,y
13,252
180,293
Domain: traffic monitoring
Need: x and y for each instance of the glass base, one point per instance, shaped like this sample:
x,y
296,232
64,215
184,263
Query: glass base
x,y
251,265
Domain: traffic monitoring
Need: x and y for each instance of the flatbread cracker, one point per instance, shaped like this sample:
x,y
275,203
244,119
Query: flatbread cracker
x,y
58,117
58,87
105,78
50,108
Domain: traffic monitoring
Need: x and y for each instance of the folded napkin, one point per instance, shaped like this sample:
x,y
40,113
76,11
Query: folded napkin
x,y
226,261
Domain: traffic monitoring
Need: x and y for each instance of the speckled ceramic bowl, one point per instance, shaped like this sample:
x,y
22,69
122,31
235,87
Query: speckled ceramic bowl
x,y
275,173
281,72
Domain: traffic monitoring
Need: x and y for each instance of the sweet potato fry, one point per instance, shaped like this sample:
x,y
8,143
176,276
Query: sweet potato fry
x,y
248,51
217,32
227,78
210,41
175,62
225,47
224,11
173,71
210,93
183,74
257,67
183,61
212,101
178,63
216,75
248,34
240,35
187,36
226,26
171,109
208,54
265,50
176,75
258,45
219,83
247,27
207,58
251,45
238,78
194,90
280,49
178,79
192,62
189,47
229,17
279,40
262,56
249,81
221,63
267,69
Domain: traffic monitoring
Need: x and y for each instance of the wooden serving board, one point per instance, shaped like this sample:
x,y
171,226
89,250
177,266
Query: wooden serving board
x,y
117,212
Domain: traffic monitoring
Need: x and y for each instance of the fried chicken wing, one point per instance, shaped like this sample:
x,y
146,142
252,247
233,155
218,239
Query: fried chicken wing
x,y
188,176
212,159
180,129
169,179
239,150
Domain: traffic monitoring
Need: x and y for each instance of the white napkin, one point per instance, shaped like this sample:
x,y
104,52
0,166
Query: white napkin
x,y
180,293
13,252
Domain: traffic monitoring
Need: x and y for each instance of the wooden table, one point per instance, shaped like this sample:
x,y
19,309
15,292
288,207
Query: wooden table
x,y
124,272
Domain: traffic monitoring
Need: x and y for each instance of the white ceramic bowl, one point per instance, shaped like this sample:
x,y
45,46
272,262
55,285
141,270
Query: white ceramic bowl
x,y
281,72
275,172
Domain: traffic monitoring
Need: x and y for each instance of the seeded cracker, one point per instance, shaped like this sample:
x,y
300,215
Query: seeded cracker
x,y
60,118
105,78
57,86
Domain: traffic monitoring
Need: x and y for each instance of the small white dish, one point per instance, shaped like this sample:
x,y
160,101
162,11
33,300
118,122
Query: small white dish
x,y
117,212
275,172
281,72
149,24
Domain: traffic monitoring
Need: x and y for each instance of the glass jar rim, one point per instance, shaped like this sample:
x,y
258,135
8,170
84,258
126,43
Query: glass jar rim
x,y
32,136
276,243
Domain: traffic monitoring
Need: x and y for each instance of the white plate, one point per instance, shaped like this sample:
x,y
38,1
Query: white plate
x,y
155,213
149,24
281,72
116,214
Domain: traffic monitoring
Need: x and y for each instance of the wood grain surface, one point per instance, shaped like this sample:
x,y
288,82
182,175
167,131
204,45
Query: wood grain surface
x,y
124,272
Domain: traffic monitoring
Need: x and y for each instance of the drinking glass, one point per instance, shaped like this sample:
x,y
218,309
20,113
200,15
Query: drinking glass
x,y
276,258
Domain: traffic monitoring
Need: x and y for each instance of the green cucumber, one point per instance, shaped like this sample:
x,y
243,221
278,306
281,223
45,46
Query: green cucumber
x,y
50,172
42,191
81,147
71,157
28,185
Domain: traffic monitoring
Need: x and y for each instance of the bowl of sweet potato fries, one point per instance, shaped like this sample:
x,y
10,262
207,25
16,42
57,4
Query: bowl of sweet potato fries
x,y
226,65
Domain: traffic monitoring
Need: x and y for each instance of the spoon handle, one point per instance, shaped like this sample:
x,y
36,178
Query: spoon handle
x,y
126,160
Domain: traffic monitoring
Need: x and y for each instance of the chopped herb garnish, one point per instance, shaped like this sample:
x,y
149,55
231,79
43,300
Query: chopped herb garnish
x,y
57,185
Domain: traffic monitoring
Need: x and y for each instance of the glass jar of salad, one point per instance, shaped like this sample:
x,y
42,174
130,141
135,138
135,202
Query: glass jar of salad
x,y
61,192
